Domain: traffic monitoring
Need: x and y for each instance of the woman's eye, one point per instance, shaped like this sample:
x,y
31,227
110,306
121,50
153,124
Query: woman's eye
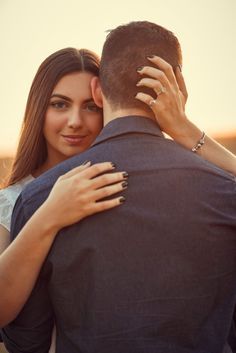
x,y
59,105
92,107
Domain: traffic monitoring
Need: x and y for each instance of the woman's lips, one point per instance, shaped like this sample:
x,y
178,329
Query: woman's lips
x,y
74,139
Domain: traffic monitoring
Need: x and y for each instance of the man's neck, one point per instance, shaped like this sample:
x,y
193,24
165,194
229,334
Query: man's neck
x,y
110,114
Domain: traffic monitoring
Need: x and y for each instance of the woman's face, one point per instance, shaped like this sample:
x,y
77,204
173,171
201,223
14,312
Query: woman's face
x,y
72,121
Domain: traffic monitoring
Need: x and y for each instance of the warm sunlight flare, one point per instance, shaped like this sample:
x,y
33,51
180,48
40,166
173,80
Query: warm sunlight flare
x,y
31,31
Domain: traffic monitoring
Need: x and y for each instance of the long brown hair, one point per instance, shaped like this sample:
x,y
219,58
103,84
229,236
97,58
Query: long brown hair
x,y
32,152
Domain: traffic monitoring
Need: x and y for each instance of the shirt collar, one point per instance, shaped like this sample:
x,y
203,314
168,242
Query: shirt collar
x,y
126,125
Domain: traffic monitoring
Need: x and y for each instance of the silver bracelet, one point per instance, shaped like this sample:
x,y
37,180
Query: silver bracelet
x,y
200,143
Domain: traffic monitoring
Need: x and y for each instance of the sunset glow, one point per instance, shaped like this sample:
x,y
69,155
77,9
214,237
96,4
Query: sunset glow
x,y
31,30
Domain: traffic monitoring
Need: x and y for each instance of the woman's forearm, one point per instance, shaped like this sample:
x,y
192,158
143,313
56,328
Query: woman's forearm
x,y
76,195
21,262
190,134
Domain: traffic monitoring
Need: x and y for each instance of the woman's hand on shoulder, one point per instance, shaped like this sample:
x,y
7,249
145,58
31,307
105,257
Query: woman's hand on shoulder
x,y
81,192
169,96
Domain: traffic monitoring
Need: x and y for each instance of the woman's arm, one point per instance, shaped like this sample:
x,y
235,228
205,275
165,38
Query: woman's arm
x,y
73,197
169,111
4,238
211,150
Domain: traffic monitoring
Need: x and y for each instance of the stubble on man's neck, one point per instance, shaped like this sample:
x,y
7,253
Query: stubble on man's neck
x,y
110,114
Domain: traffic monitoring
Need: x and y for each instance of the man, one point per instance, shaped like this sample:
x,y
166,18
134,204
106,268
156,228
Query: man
x,y
158,273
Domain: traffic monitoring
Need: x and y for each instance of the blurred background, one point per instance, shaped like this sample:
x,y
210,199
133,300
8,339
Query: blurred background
x,y
30,30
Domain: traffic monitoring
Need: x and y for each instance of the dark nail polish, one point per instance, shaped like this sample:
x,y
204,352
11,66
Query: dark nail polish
x,y
151,56
113,165
125,175
180,68
124,184
140,68
122,199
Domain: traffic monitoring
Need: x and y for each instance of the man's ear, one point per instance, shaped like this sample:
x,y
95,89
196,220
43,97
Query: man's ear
x,y
96,91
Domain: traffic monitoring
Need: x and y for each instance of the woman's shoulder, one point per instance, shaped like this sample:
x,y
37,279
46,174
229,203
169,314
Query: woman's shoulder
x,y
8,197
10,193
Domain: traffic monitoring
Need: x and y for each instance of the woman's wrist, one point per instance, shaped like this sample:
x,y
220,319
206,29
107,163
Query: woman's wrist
x,y
47,221
187,134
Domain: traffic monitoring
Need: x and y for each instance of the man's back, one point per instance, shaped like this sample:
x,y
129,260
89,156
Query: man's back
x,y
155,275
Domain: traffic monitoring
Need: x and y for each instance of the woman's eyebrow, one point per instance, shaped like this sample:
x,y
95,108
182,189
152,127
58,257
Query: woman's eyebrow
x,y
57,95
61,96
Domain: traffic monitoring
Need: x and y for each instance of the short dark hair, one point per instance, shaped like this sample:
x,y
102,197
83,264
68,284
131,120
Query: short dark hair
x,y
125,49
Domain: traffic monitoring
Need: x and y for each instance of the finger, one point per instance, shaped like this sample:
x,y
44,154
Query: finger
x,y
106,205
150,71
155,73
107,179
181,83
76,170
97,169
156,85
156,106
108,191
143,97
165,67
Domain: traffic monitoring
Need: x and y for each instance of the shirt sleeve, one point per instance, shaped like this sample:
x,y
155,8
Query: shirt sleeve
x,y
31,331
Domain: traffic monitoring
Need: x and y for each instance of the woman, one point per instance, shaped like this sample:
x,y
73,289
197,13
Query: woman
x,y
60,121
51,138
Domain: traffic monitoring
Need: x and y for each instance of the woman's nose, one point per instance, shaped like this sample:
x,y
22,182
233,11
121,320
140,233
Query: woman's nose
x,y
75,119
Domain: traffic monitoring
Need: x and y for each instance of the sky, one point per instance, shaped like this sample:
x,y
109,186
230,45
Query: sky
x,y
31,30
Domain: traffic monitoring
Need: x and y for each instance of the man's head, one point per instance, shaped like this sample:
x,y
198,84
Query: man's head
x,y
126,48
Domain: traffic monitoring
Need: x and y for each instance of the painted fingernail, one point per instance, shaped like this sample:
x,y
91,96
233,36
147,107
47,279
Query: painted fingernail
x,y
180,67
124,184
86,162
125,174
151,56
122,199
113,165
140,68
